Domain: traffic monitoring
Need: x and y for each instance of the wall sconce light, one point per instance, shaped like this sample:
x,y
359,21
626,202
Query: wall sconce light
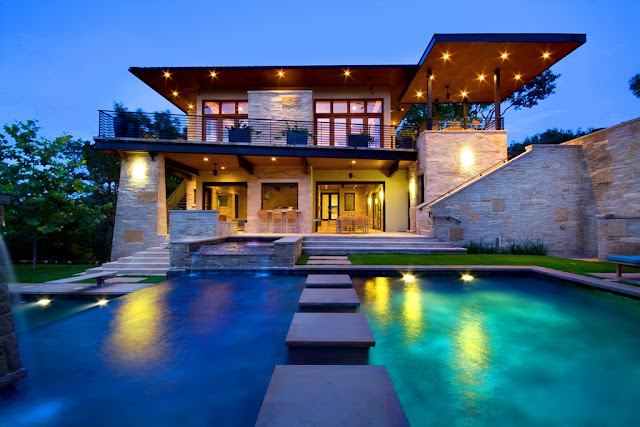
x,y
466,158
139,169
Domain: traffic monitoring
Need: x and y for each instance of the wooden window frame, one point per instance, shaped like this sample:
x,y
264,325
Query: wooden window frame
x,y
348,116
221,117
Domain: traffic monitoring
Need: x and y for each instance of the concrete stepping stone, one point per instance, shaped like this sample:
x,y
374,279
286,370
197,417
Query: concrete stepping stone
x,y
328,262
328,257
329,330
329,281
328,298
331,395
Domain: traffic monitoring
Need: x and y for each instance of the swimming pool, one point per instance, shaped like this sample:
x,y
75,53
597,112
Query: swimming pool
x,y
515,350
201,351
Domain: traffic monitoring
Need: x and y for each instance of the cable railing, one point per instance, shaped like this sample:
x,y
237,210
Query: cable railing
x,y
460,123
243,130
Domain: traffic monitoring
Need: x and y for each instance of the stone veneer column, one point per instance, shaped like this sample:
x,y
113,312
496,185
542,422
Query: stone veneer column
x,y
11,369
141,211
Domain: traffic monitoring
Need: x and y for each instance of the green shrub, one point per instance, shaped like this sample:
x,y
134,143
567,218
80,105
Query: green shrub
x,y
526,247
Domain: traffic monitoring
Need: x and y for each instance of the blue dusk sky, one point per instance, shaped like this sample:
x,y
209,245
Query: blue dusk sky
x,y
62,61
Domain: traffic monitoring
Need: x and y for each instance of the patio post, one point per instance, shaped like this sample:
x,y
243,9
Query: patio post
x,y
429,103
465,113
437,116
496,94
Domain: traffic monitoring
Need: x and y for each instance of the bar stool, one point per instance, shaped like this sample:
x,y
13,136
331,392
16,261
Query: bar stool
x,y
263,224
292,221
276,221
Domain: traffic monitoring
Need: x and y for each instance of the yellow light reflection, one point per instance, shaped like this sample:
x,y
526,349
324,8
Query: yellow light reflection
x,y
378,292
44,302
471,361
138,328
412,318
467,277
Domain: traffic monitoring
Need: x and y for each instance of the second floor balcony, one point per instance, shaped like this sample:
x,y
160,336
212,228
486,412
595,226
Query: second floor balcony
x,y
203,129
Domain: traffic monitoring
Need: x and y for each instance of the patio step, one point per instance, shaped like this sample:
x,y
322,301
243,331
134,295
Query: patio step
x,y
152,262
353,244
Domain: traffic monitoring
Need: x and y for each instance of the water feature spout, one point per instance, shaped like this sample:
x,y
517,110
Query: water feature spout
x,y
11,369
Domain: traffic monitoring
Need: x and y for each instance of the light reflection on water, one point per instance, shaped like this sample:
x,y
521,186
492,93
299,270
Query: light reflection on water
x,y
412,313
138,329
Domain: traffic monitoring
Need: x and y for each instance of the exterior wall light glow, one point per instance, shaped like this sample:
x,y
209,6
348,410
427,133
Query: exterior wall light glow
x,y
466,158
412,188
139,170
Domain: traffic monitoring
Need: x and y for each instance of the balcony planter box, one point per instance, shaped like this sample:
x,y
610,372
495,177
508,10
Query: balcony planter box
x,y
358,140
134,130
297,138
119,127
239,135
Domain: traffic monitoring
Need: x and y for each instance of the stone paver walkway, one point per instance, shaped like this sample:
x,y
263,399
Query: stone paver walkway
x,y
328,260
116,286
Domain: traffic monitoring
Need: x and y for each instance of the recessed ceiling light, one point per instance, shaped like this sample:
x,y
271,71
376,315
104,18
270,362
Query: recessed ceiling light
x,y
206,159
464,94
273,159
504,55
280,73
347,73
517,76
418,94
167,74
445,56
353,162
223,167
213,74
175,93
481,77
190,106
546,55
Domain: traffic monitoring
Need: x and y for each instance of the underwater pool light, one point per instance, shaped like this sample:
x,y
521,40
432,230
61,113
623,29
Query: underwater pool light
x,y
409,277
44,302
103,302
467,277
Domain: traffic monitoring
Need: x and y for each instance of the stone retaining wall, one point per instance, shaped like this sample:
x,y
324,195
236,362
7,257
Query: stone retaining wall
x,y
11,369
543,194
287,251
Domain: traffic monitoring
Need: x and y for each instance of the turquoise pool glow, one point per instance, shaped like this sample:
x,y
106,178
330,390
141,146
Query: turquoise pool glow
x,y
200,351
505,350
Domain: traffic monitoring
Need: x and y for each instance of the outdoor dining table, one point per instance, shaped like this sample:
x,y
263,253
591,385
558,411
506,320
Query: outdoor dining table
x,y
349,224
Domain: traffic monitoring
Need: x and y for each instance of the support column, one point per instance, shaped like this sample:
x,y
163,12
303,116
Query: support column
x,y
141,211
465,113
429,102
496,95
437,116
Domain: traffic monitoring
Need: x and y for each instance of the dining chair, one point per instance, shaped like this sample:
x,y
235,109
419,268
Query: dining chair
x,y
263,224
276,221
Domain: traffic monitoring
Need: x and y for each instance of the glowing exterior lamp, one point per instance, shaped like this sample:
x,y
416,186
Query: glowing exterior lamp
x,y
412,188
466,158
467,277
139,169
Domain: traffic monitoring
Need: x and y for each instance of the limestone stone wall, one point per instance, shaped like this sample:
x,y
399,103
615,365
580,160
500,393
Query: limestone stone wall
x,y
545,193
142,205
281,105
613,160
192,224
287,251
440,156
11,369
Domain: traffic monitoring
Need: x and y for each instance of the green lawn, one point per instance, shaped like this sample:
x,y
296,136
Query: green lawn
x,y
45,272
562,264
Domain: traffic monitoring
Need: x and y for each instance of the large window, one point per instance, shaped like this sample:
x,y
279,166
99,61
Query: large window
x,y
279,196
336,119
220,115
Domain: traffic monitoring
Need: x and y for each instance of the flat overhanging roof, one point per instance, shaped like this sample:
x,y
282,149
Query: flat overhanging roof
x,y
466,63
468,57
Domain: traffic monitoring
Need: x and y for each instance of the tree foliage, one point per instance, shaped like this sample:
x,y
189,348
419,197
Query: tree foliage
x,y
634,85
40,179
549,136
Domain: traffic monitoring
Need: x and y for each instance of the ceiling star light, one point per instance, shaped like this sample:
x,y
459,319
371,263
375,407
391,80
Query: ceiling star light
x,y
464,94
167,74
223,167
175,93
353,162
431,77
206,159
446,56
213,74
481,77
517,77
546,55
190,106
280,73
419,94
504,55
347,73
273,159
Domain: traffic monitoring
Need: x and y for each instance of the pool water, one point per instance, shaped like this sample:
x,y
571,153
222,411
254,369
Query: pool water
x,y
505,350
200,351
28,313
194,351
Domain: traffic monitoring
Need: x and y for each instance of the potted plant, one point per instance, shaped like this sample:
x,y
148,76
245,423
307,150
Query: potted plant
x,y
240,133
361,139
296,135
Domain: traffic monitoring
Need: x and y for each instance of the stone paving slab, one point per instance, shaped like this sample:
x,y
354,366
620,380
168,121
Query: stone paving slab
x,y
331,395
329,281
328,257
329,298
329,262
116,286
329,330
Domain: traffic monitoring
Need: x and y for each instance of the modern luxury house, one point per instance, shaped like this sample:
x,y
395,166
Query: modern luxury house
x,y
318,149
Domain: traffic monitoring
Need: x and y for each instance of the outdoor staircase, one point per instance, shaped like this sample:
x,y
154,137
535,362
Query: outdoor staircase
x,y
376,244
152,262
